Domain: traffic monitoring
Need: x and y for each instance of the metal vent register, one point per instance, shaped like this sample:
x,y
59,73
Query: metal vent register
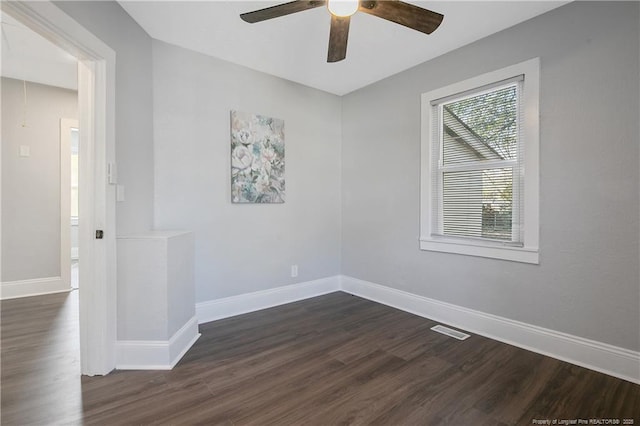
x,y
450,332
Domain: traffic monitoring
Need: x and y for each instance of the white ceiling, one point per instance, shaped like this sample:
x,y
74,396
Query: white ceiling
x,y
294,47
28,56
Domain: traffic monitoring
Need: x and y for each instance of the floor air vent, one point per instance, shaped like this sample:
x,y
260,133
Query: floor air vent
x,y
450,332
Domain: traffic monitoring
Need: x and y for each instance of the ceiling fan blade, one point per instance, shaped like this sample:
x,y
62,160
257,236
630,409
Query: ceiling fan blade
x,y
338,38
280,10
402,13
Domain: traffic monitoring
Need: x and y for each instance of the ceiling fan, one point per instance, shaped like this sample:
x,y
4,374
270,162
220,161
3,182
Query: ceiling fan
x,y
397,11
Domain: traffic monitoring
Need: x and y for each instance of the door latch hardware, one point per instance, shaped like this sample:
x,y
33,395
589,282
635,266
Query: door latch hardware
x,y
99,234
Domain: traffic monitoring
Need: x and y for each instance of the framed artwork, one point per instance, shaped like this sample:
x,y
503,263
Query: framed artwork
x,y
257,158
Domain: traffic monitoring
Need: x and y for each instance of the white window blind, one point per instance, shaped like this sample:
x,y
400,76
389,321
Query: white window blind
x,y
477,175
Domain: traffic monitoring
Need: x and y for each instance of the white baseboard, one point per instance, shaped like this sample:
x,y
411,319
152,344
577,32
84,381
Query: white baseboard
x,y
236,305
612,360
34,287
608,359
156,354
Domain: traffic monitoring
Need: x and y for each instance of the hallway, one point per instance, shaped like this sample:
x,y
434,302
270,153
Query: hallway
x,y
40,344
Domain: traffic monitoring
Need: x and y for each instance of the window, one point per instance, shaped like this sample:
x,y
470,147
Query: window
x,y
480,166
74,176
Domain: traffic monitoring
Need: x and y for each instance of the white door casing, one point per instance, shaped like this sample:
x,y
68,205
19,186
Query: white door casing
x,y
96,106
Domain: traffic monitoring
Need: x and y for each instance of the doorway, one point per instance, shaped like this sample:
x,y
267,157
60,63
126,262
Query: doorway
x,y
96,106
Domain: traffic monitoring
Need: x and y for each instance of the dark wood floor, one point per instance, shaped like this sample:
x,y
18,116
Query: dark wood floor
x,y
335,359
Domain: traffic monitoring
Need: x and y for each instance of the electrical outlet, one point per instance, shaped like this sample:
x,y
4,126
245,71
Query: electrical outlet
x,y
294,271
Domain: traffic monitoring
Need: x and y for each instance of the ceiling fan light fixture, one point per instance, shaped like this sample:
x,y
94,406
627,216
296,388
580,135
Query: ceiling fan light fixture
x,y
343,8
397,11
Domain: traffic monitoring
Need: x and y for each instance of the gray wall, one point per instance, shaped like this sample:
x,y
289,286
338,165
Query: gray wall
x,y
134,103
587,283
242,248
31,185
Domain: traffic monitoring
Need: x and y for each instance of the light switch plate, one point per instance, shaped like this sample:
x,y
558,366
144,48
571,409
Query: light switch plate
x,y
24,151
112,173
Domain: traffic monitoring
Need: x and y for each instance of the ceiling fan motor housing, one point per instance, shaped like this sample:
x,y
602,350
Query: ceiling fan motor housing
x,y
406,14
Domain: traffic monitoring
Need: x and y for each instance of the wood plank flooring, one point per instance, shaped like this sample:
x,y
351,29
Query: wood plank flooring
x,y
332,360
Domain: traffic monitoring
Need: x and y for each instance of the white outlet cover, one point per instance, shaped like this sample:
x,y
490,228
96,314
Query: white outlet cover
x,y
24,151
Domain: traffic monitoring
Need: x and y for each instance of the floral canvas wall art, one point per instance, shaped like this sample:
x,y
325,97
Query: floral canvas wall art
x,y
257,158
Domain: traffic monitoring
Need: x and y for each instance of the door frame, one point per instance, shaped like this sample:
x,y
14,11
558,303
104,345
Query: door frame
x,y
96,116
66,124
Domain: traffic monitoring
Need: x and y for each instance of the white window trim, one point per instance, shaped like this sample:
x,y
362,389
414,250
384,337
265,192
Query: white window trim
x,y
529,253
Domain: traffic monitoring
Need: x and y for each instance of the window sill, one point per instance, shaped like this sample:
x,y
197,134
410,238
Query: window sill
x,y
514,254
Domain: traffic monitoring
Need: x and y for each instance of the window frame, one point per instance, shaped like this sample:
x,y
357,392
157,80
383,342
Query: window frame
x,y
75,151
529,149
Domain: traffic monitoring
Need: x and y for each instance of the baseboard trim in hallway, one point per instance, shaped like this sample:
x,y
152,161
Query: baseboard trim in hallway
x,y
32,287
